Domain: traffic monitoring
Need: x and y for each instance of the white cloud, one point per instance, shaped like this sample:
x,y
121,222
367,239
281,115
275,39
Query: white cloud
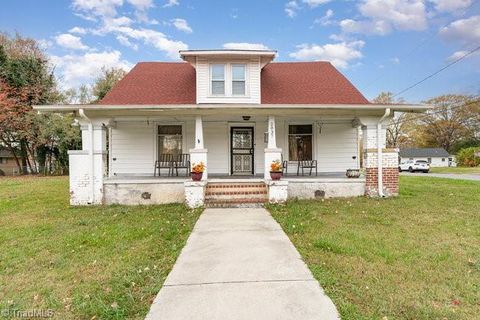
x,y
291,8
69,41
171,3
339,54
384,15
78,30
315,3
245,46
451,5
45,44
126,42
141,4
182,25
326,19
462,30
75,70
98,7
395,60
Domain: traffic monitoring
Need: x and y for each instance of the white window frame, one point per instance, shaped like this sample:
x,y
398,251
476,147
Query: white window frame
x,y
287,134
168,123
211,80
244,78
228,79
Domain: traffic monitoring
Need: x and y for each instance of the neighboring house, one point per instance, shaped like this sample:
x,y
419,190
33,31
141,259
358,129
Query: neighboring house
x,y
8,166
436,157
236,111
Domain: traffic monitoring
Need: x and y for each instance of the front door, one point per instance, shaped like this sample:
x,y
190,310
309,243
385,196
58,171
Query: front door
x,y
241,150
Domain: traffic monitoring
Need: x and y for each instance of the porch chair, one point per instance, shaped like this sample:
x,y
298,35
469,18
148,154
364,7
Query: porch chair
x,y
284,166
183,162
307,164
165,161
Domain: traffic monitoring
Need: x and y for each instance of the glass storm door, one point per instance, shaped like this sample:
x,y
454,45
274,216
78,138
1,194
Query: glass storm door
x,y
241,147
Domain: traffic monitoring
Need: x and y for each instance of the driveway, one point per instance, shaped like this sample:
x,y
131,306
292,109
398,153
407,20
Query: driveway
x,y
239,264
475,177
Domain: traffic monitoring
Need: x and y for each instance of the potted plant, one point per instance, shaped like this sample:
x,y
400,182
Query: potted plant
x,y
353,173
197,171
276,170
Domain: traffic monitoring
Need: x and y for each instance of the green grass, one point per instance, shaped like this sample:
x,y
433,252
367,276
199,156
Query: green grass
x,y
416,256
460,170
84,262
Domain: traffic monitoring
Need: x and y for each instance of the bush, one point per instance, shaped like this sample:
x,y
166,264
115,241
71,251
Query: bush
x,y
466,157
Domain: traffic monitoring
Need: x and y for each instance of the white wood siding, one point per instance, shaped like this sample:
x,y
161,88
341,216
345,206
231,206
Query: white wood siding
x,y
132,148
133,145
252,90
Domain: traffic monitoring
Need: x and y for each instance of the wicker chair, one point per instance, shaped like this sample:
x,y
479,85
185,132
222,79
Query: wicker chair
x,y
165,161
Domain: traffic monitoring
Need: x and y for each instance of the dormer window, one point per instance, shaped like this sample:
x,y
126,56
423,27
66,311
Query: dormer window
x,y
238,79
218,79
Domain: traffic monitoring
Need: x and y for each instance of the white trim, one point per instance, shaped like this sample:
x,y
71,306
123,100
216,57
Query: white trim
x,y
227,106
314,138
169,123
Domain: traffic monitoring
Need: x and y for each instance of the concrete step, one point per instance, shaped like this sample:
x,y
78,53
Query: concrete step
x,y
235,203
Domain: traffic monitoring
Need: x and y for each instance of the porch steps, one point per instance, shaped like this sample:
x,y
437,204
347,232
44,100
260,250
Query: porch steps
x,y
235,194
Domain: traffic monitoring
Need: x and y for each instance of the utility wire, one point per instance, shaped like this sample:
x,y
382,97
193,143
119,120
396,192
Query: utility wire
x,y
438,71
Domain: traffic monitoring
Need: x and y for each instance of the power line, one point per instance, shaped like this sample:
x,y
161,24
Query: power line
x,y
437,72
429,37
467,104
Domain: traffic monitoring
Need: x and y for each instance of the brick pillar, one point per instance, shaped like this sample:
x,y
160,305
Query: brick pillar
x,y
370,164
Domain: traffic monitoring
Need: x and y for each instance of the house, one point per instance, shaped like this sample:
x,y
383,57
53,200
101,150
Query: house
x,y
436,157
236,111
8,166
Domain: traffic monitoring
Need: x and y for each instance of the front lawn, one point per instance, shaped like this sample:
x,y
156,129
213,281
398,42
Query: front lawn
x,y
460,170
84,262
413,257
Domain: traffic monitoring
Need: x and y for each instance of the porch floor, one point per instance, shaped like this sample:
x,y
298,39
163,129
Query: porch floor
x,y
321,177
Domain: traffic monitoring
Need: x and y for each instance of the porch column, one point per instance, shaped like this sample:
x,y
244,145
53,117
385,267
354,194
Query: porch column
x,y
389,160
272,153
199,153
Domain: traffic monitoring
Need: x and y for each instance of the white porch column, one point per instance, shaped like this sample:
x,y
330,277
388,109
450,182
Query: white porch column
x,y
199,153
88,166
272,153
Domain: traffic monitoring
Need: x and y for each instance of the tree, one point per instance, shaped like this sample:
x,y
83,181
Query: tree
x,y
396,130
454,118
106,81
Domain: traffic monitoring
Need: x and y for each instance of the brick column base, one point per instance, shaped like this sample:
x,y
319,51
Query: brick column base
x,y
390,182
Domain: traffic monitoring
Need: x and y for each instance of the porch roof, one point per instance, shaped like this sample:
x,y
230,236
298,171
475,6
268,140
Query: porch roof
x,y
200,108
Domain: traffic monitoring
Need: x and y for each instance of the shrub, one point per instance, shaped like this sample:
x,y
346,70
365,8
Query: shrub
x,y
466,157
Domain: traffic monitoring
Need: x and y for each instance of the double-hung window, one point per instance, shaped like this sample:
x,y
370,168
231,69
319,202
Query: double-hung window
x,y
238,79
170,140
300,142
218,79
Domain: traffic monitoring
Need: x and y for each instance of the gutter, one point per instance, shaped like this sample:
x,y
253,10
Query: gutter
x,y
380,153
82,114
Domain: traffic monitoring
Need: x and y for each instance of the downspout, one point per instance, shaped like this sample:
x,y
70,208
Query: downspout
x,y
81,112
380,153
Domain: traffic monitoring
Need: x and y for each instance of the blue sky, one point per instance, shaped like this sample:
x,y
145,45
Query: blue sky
x,y
379,45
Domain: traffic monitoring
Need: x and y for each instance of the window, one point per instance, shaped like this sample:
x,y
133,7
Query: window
x,y
3,160
429,160
170,139
238,79
218,79
300,142
443,159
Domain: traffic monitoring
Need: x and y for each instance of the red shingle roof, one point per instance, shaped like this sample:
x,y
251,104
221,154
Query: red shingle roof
x,y
307,83
155,83
282,83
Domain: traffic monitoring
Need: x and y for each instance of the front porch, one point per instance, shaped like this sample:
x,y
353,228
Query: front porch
x,y
236,145
134,190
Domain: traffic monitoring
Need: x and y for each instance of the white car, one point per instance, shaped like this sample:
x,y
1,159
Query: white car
x,y
413,166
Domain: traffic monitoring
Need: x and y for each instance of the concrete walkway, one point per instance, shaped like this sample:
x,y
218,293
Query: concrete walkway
x,y
239,264
460,176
